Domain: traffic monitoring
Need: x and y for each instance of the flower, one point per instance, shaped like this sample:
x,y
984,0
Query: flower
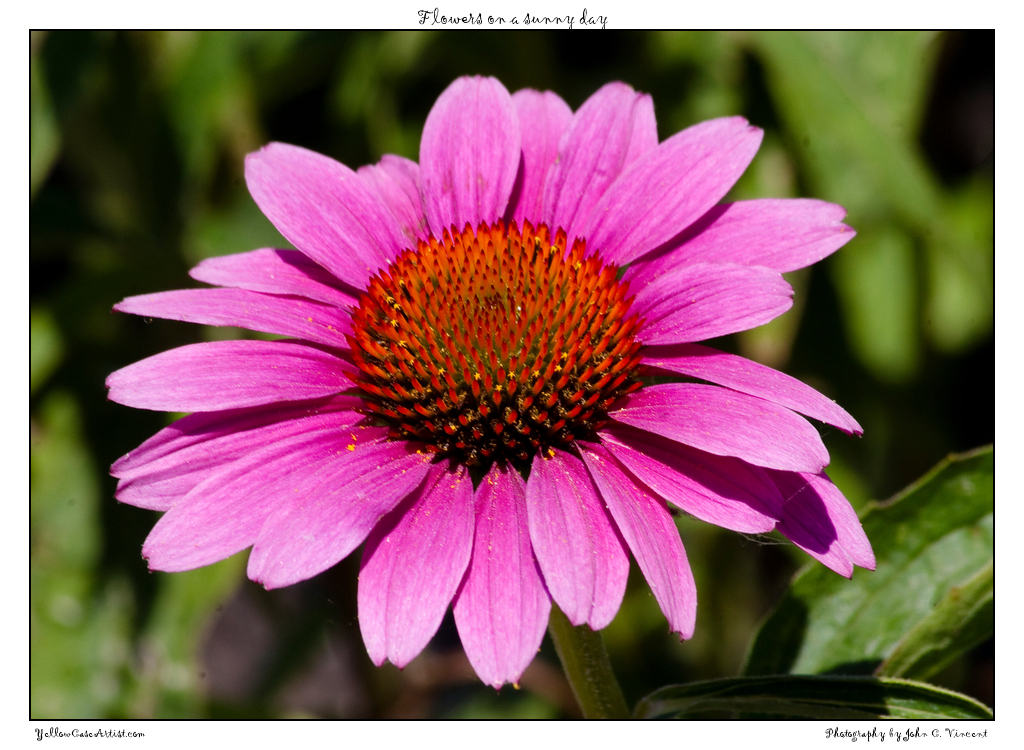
x,y
475,388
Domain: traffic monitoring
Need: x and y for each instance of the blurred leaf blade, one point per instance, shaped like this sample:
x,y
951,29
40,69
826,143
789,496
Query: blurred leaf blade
x,y
46,347
65,487
209,84
80,635
45,143
964,618
820,698
960,259
933,536
364,90
861,101
858,147
876,280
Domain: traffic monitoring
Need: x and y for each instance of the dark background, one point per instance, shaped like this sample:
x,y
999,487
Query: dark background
x,y
138,140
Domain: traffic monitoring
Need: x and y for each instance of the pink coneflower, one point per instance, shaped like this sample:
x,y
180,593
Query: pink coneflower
x,y
474,387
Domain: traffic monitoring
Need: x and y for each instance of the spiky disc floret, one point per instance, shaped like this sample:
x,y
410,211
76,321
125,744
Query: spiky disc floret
x,y
495,344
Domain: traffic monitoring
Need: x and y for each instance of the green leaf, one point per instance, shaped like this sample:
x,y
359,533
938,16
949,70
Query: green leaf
x,y
877,284
46,347
44,144
932,537
366,88
823,698
962,620
80,630
210,81
851,103
66,530
959,258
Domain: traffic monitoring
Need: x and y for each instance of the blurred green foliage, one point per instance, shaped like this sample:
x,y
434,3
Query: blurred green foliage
x,y
137,147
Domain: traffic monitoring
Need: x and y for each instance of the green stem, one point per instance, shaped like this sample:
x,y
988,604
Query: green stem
x,y
586,664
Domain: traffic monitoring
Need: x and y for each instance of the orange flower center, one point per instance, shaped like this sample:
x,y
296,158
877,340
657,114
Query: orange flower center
x,y
495,344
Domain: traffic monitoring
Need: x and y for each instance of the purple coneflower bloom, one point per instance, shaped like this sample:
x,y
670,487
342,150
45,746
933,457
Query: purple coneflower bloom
x,y
473,387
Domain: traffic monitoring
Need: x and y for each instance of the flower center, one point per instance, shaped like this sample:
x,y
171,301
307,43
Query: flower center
x,y
496,344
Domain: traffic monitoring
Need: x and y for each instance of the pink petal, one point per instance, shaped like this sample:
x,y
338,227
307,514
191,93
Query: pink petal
x,y
274,272
330,515
746,376
781,234
670,188
412,566
312,321
228,374
406,173
502,607
721,490
699,302
543,118
205,426
726,423
611,131
469,154
581,554
168,465
223,514
325,210
818,519
648,529
397,182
